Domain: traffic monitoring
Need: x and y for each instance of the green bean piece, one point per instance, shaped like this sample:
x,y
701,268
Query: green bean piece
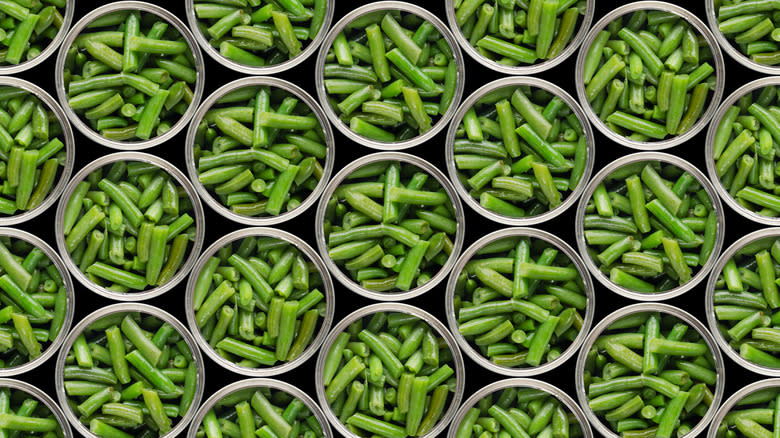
x,y
23,414
636,380
145,64
131,243
749,28
408,229
142,392
657,249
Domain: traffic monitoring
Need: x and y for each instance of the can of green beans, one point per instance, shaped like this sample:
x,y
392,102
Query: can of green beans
x,y
129,351
750,411
425,225
48,145
275,41
746,32
630,239
503,36
377,338
241,397
740,154
130,226
20,396
236,168
741,298
650,75
514,398
650,366
127,91
43,27
265,269
396,101
518,182
508,330
45,298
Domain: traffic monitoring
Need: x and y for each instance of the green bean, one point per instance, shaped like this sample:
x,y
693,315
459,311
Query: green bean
x,y
406,83
140,246
748,23
649,253
413,416
115,53
646,381
138,378
424,239
655,56
525,180
24,413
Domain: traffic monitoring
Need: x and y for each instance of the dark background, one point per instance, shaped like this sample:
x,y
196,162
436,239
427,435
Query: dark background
x,y
346,151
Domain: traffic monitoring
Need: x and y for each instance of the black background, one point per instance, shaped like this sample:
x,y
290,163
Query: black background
x,y
346,151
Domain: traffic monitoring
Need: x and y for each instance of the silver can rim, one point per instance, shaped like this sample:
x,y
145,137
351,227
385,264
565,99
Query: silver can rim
x,y
74,32
41,396
322,94
511,82
520,383
330,300
59,376
312,47
709,302
729,47
452,321
258,383
720,72
338,272
741,393
170,169
582,246
433,322
686,317
709,157
70,153
67,20
217,206
52,349
574,44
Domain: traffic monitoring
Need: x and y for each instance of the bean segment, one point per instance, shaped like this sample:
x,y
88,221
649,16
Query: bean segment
x,y
649,76
747,302
519,33
390,76
258,34
130,374
520,151
257,302
520,302
744,152
23,414
650,227
390,226
34,304
519,411
262,412
650,374
130,76
268,168
380,372
32,151
128,226
750,26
